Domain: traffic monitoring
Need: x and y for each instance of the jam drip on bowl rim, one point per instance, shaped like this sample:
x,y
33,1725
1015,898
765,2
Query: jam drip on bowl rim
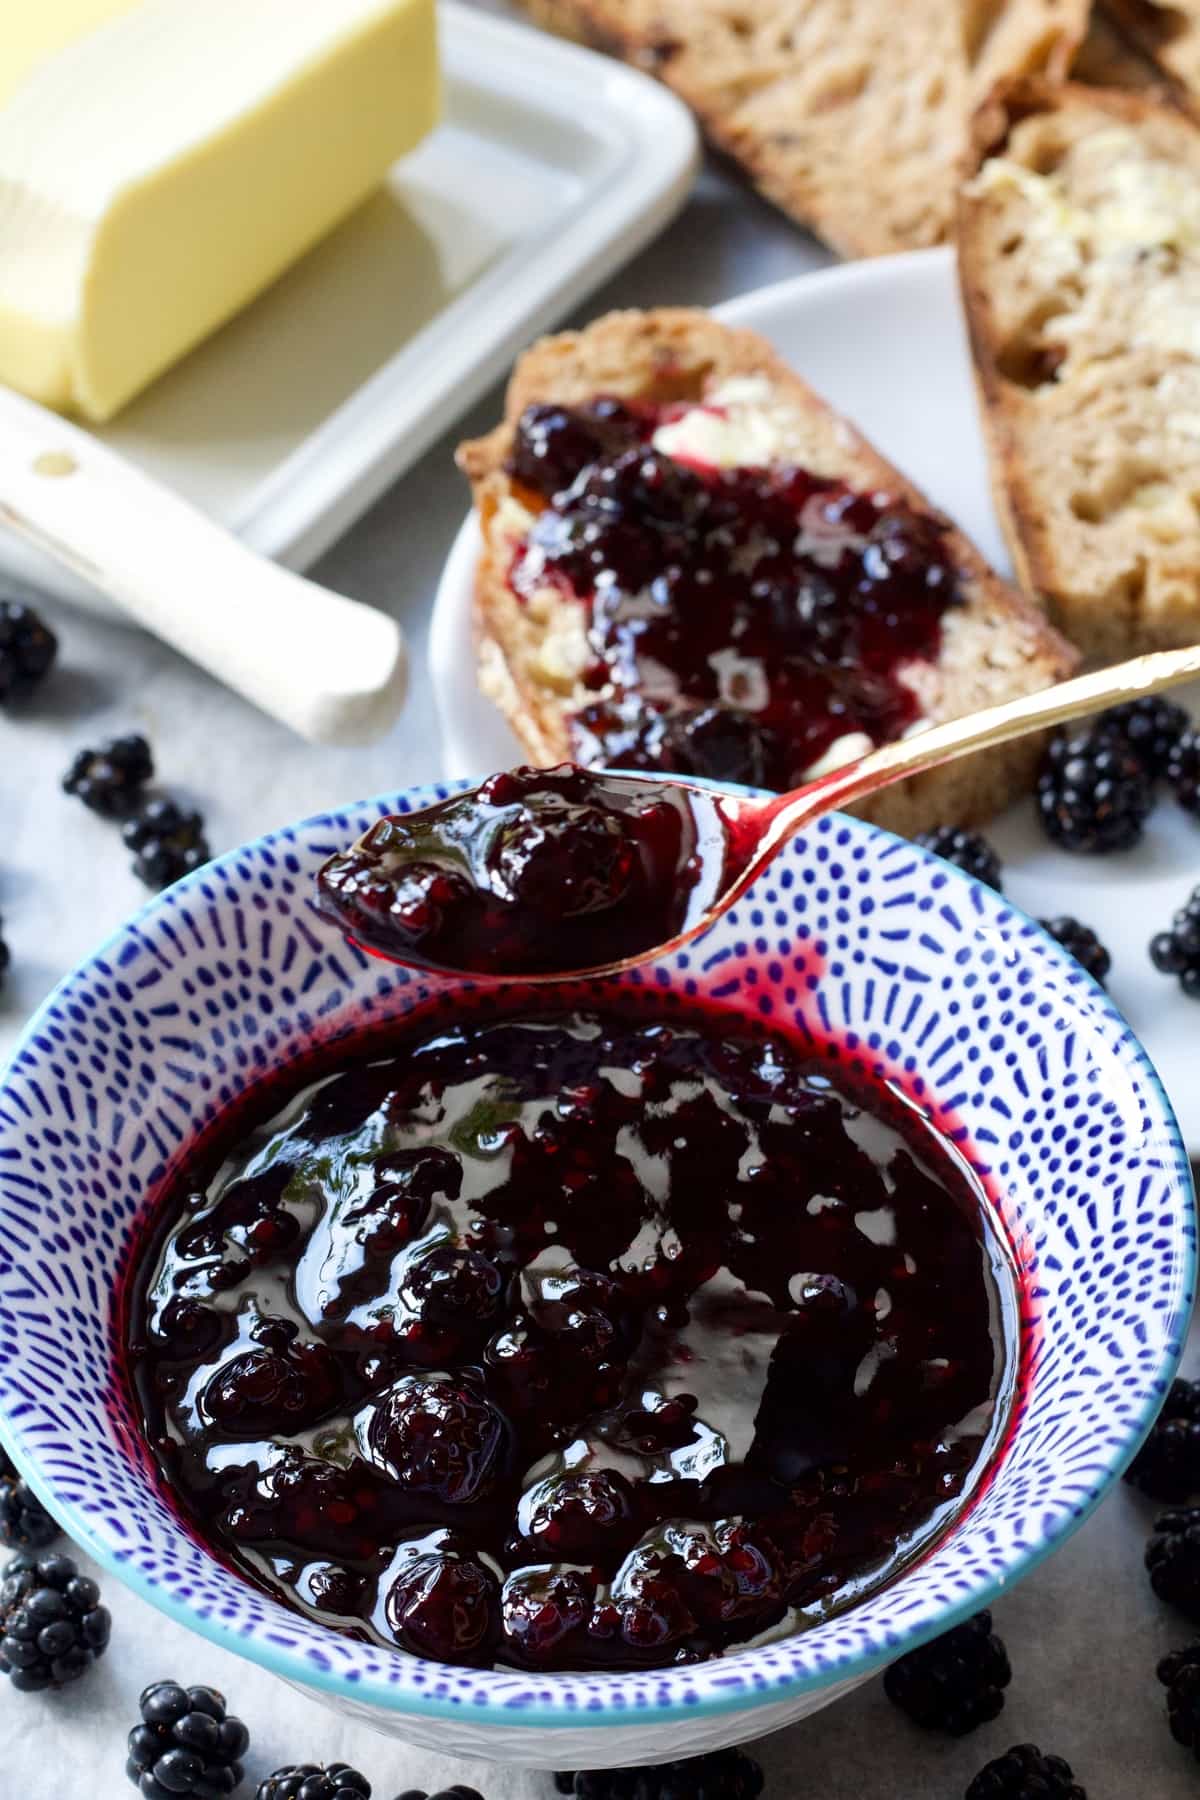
x,y
574,1342
739,621
537,871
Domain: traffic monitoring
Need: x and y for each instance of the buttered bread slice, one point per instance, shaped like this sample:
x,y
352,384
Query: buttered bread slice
x,y
692,564
851,115
1080,268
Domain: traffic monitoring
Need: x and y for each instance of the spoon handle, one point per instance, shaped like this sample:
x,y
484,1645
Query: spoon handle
x,y
331,668
977,731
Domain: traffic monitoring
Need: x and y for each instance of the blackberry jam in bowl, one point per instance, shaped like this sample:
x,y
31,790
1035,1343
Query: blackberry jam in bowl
x,y
588,1377
574,1342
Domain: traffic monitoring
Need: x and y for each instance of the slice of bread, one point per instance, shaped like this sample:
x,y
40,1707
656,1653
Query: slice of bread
x,y
1168,34
1079,256
532,656
851,115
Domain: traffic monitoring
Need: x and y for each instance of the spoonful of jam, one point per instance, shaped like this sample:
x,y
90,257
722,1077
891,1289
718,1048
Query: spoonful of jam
x,y
545,874
537,872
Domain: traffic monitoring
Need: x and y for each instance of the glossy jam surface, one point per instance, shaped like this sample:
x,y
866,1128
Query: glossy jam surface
x,y
573,1343
537,871
740,621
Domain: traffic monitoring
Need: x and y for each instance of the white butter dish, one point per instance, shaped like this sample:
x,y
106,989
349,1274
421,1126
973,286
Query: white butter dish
x,y
552,166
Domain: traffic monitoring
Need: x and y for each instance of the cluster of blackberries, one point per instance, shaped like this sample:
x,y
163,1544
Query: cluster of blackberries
x,y
28,648
1173,1559
1179,1673
337,1781
1167,1467
186,1744
24,1522
972,853
1082,943
1098,782
954,1684
967,850
1173,1562
167,841
1098,785
1094,794
456,1792
189,1745
110,780
307,1781
1023,1773
1177,950
52,1625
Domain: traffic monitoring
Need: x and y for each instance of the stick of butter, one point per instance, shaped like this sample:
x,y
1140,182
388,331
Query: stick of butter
x,y
162,161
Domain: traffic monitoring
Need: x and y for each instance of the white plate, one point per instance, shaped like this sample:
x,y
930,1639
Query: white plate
x,y
884,342
552,166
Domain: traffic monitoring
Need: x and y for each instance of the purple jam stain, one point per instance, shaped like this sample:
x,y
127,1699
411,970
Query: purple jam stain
x,y
538,871
740,620
574,1342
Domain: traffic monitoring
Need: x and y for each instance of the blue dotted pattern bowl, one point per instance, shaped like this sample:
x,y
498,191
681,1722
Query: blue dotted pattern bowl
x,y
864,947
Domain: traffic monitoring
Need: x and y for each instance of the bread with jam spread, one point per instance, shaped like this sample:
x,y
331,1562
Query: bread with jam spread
x,y
536,659
1079,255
849,114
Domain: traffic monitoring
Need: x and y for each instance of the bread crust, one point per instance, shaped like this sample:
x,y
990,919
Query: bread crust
x,y
1168,35
1000,644
1108,57
847,114
1114,582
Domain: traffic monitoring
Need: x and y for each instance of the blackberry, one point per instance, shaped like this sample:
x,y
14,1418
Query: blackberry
x,y
27,648
306,1781
1183,770
109,780
24,1522
456,1792
186,1744
723,1775
1082,943
1177,951
1180,1675
553,445
954,1684
1151,727
1093,792
5,959
967,850
1173,1559
1023,1773
168,842
52,1625
1167,1467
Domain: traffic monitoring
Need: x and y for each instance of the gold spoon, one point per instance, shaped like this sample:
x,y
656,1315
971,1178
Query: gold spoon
x,y
759,827
730,841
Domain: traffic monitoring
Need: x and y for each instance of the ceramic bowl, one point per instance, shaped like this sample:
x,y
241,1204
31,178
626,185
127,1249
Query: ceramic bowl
x,y
873,953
